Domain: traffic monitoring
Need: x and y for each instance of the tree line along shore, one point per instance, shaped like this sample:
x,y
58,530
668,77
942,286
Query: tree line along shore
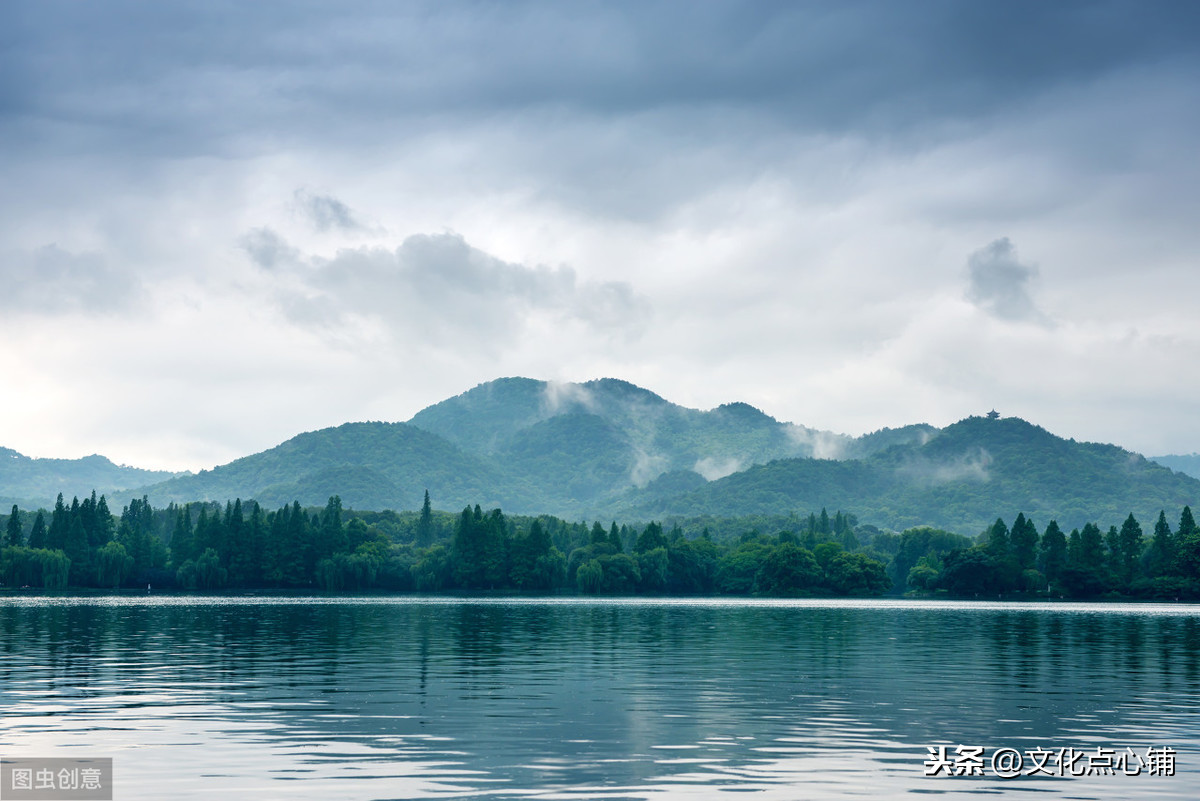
x,y
210,547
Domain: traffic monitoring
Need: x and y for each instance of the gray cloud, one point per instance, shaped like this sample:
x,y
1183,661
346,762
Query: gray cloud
x,y
998,282
51,280
268,249
436,290
250,76
326,212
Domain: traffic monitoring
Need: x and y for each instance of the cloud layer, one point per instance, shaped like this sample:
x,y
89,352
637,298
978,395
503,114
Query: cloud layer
x,y
222,224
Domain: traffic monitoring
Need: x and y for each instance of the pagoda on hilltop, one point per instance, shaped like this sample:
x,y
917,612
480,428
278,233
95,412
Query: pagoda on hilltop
x,y
993,415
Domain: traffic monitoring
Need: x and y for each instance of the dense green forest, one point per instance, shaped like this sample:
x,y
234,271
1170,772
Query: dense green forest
x,y
237,546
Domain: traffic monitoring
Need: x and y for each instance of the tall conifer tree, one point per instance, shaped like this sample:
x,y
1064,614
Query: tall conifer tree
x,y
13,536
37,535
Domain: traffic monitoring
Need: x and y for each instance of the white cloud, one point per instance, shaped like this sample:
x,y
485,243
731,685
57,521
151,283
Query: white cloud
x,y
438,292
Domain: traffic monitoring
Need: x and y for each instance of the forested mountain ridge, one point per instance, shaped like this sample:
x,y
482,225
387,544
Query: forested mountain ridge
x,y
955,480
524,445
608,449
370,465
24,480
649,433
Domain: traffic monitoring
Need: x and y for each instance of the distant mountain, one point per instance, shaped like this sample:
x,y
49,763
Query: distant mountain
x,y
370,465
608,449
960,478
1188,463
618,433
36,482
526,445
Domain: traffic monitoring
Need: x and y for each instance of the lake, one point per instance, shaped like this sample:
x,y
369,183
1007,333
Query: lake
x,y
386,698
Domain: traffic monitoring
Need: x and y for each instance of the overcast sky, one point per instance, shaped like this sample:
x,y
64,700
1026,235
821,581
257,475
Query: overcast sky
x,y
222,224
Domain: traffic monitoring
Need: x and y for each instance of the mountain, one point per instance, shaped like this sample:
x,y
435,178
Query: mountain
x,y
607,449
960,478
370,465
614,429
1187,463
36,482
528,446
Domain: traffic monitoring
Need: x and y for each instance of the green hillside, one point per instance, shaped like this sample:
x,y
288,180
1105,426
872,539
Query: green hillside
x,y
370,465
960,479
486,418
613,434
36,482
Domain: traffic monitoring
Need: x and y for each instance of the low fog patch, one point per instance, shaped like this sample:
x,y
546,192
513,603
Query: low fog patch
x,y
713,467
972,466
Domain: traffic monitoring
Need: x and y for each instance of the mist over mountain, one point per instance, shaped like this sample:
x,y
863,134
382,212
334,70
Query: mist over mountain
x,y
961,478
635,434
608,449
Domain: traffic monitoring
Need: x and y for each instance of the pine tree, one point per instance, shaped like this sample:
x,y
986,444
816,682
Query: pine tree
x,y
14,537
88,516
181,538
1054,551
246,561
1075,556
1187,524
1091,548
1130,546
496,547
998,544
1160,556
1112,549
614,538
200,534
301,561
134,534
1024,542
38,535
76,549
60,525
104,521
234,540
333,534
468,550
650,539
847,538
1187,546
425,524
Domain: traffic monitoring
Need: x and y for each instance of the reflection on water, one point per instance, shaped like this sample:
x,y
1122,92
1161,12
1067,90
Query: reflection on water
x,y
385,698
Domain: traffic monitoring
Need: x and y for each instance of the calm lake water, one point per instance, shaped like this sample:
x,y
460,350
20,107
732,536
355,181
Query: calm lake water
x,y
304,698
